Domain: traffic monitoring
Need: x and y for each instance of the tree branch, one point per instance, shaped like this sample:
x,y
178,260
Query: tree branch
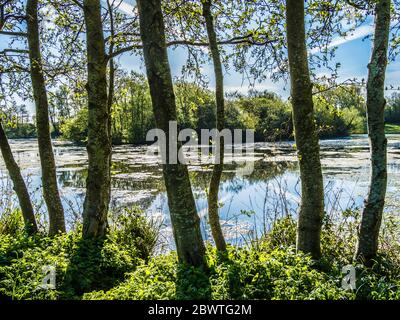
x,y
14,34
233,41
5,51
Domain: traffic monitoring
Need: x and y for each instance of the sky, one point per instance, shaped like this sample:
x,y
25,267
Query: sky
x,y
353,53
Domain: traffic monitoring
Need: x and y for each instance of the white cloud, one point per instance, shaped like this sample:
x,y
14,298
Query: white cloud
x,y
126,8
278,88
358,33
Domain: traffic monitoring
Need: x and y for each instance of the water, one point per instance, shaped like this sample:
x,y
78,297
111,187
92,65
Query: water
x,y
249,204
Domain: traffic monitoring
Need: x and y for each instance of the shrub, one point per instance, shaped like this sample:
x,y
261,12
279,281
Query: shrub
x,y
82,265
120,266
243,273
21,131
332,122
75,129
11,222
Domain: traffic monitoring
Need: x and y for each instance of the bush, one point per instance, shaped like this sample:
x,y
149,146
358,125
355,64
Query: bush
x,y
11,222
392,110
244,273
21,131
338,112
332,122
81,265
75,129
121,266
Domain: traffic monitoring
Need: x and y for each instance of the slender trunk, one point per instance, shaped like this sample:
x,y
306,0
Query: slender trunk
x,y
219,97
312,200
18,184
98,183
184,218
372,214
111,84
49,176
111,74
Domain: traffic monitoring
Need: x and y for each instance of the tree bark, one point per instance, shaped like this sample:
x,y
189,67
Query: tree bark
x,y
49,176
312,199
213,214
111,73
372,214
98,183
184,218
18,184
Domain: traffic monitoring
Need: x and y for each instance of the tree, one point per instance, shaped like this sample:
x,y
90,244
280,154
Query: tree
x,y
219,156
184,218
18,184
372,214
49,177
98,183
312,199
12,167
111,74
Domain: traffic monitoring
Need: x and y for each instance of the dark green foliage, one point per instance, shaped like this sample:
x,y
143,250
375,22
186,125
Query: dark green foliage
x,y
338,113
131,228
195,106
11,222
283,234
119,267
75,129
241,274
333,122
21,131
81,265
266,113
268,270
392,110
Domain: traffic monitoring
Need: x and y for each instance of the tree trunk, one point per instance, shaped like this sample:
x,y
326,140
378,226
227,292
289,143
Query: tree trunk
x,y
49,176
184,218
98,183
312,200
18,184
111,73
219,97
372,214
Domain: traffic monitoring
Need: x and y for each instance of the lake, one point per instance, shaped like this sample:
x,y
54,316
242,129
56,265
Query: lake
x,y
249,204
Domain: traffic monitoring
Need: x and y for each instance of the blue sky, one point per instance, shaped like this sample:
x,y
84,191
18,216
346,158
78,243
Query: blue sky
x,y
353,53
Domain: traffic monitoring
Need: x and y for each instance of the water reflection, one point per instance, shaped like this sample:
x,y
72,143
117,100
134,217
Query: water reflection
x,y
249,204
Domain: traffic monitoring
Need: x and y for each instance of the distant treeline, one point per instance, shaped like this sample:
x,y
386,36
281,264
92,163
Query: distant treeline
x,y
339,112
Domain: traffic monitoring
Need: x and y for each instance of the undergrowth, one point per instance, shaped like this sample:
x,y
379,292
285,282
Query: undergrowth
x,y
123,266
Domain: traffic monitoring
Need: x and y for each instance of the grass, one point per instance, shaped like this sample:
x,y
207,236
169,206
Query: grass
x,y
392,128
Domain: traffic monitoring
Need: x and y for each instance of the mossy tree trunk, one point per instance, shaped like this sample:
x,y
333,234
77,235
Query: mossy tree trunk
x,y
219,97
18,184
111,65
47,162
372,214
98,183
312,199
184,218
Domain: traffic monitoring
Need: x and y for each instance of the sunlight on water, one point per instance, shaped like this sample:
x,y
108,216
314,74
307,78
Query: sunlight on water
x,y
249,204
